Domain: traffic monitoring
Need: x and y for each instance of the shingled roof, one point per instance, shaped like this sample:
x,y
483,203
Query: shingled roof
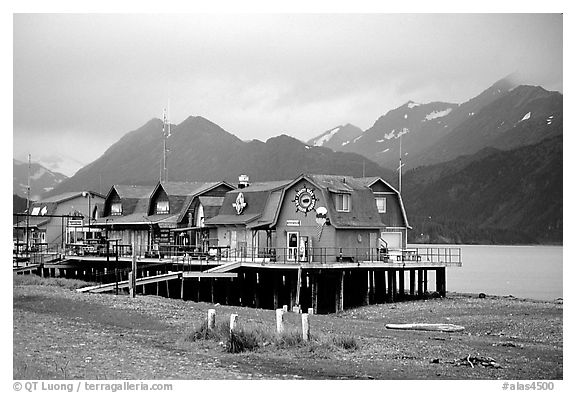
x,y
256,197
363,211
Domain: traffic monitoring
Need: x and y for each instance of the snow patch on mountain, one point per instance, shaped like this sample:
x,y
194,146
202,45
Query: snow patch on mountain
x,y
413,105
345,143
380,140
390,135
404,131
356,139
384,151
437,114
526,116
41,172
326,137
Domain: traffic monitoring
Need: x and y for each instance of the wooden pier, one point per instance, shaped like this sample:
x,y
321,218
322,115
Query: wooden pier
x,y
263,283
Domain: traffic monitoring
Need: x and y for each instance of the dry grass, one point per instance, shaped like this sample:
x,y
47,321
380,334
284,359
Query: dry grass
x,y
251,337
32,279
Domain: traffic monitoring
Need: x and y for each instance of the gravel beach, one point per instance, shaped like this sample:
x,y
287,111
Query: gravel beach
x,y
61,334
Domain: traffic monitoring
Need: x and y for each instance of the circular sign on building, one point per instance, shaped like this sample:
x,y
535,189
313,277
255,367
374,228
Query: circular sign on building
x,y
305,200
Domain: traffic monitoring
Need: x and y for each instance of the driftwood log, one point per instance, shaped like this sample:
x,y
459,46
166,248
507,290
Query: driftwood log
x,y
436,327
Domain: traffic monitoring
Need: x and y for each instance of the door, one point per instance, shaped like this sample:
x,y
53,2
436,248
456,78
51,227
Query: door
x,y
292,246
303,249
373,246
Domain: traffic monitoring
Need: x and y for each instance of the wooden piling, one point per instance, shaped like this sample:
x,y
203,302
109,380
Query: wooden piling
x,y
341,291
441,281
425,281
420,282
391,278
412,281
401,284
366,299
182,288
298,286
314,292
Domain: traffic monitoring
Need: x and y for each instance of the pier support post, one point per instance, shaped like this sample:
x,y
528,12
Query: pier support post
x,y
366,280
412,281
182,287
425,281
420,282
401,283
441,281
380,284
314,292
299,286
212,290
275,288
391,284
341,287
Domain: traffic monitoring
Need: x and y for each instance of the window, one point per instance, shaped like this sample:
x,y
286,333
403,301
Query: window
x,y
162,207
343,202
381,204
116,209
35,211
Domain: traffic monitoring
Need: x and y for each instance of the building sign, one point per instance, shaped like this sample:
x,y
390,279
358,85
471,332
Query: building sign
x,y
292,223
305,200
240,204
75,223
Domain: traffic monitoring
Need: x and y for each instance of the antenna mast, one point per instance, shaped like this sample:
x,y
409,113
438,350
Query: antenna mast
x,y
165,135
28,204
400,168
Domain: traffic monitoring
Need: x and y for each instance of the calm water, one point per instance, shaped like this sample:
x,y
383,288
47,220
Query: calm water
x,y
533,272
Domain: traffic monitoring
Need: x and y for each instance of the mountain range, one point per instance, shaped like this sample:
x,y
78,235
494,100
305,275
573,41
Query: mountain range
x,y
506,115
488,170
200,150
42,180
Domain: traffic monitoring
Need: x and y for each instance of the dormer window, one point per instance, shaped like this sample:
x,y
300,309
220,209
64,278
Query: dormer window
x,y
343,202
116,209
162,207
381,204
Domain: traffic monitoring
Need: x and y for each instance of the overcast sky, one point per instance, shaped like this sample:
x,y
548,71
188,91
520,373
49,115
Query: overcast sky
x,y
81,81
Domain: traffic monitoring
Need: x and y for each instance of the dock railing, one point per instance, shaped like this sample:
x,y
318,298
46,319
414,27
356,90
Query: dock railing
x,y
446,256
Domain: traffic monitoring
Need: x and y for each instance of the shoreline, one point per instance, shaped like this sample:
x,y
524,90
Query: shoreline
x,y
94,334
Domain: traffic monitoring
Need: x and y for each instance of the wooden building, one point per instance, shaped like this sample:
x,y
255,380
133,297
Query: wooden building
x,y
158,219
313,218
61,220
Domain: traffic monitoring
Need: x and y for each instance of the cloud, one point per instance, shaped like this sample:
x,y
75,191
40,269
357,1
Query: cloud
x,y
93,77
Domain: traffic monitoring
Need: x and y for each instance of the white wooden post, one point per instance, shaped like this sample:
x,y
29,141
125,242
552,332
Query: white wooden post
x,y
233,321
279,321
131,284
285,308
305,328
310,311
211,319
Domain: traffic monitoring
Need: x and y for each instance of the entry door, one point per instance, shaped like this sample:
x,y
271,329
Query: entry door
x,y
292,242
303,249
373,245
